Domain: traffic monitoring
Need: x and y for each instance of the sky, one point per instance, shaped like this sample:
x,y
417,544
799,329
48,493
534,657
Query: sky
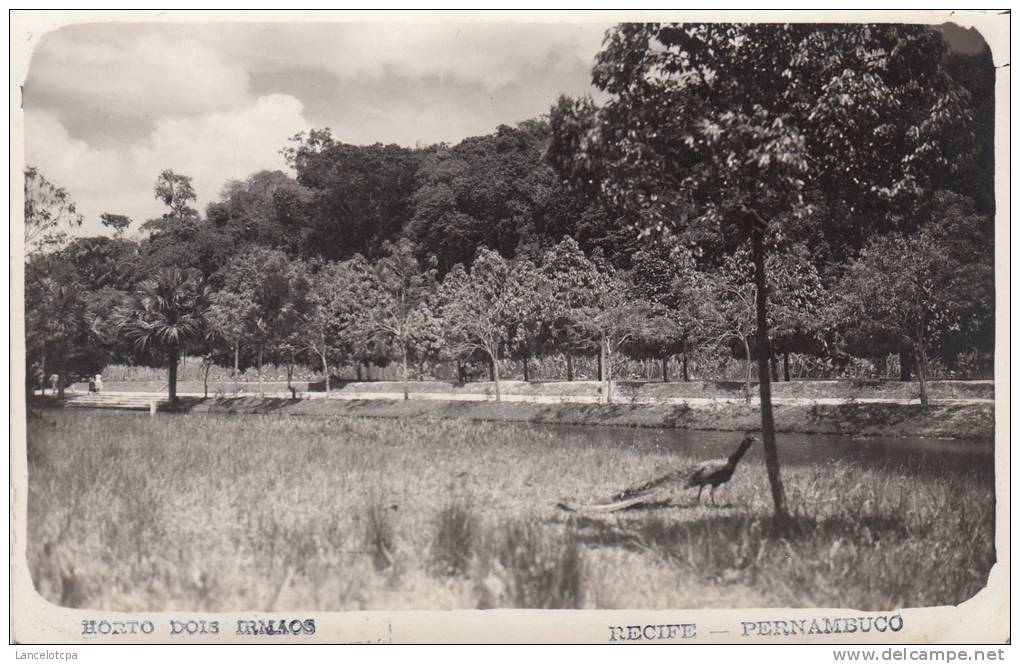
x,y
110,105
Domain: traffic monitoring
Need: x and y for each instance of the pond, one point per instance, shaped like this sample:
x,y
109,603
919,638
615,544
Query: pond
x,y
894,454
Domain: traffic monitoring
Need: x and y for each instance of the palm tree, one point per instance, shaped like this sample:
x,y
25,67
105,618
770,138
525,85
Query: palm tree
x,y
164,313
60,312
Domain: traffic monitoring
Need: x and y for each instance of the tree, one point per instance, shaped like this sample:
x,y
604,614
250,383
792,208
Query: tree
x,y
48,210
266,291
726,310
163,314
400,289
118,222
925,286
494,191
577,286
476,308
532,311
176,192
798,302
226,320
55,317
622,321
337,293
266,208
712,133
104,262
665,278
360,196
594,304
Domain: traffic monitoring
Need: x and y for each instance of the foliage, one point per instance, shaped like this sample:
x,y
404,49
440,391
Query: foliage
x,y
493,191
712,134
359,195
337,292
811,140
925,286
118,222
48,208
477,308
265,209
163,314
55,316
176,192
264,298
398,303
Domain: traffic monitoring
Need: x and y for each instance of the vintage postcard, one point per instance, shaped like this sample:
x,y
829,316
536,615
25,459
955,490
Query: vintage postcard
x,y
510,327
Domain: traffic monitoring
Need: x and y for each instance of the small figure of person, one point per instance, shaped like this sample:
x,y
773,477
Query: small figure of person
x,y
54,382
98,380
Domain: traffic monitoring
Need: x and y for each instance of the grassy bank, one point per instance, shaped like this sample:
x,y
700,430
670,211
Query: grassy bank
x,y
868,419
270,512
808,389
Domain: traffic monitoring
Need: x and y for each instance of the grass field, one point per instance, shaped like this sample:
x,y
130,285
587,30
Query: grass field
x,y
212,512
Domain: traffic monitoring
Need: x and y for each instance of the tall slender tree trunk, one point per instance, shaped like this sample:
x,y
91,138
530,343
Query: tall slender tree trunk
x,y
494,371
768,426
261,388
357,371
237,359
206,365
525,369
600,367
172,381
774,365
686,376
607,369
403,361
570,367
325,369
786,366
665,369
290,374
922,372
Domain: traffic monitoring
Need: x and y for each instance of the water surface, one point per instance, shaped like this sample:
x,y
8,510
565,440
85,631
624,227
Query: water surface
x,y
896,454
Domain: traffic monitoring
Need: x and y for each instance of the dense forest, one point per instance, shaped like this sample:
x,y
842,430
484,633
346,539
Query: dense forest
x,y
602,232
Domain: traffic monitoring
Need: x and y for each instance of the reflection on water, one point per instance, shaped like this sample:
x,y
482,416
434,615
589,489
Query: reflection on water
x,y
892,453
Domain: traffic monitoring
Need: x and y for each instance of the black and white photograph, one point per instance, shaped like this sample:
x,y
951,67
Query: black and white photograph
x,y
381,327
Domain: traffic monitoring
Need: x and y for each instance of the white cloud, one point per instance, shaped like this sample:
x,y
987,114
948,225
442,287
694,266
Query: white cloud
x,y
491,54
139,75
210,148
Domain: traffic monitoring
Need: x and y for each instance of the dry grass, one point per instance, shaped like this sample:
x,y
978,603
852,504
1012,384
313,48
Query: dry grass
x,y
271,512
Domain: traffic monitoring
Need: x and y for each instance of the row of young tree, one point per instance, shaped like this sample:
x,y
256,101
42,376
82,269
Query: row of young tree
x,y
87,307
764,188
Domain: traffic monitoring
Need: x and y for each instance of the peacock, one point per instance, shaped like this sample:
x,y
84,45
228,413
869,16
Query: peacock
x,y
707,473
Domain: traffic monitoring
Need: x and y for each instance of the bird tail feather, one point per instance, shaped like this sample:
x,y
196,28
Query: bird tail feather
x,y
647,487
